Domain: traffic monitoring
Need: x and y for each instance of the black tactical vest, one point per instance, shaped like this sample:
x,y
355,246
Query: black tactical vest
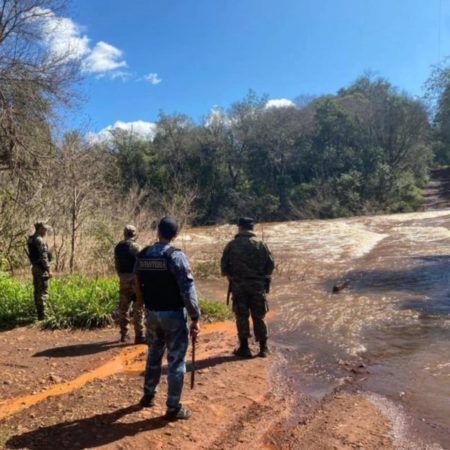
x,y
159,286
33,251
124,256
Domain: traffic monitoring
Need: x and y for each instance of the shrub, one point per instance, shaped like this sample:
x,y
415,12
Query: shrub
x,y
16,302
207,269
212,310
74,302
77,301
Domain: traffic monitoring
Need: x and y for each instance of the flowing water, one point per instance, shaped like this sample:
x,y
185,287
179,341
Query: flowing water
x,y
390,325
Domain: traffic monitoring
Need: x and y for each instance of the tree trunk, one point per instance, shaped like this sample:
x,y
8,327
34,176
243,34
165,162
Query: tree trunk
x,y
73,231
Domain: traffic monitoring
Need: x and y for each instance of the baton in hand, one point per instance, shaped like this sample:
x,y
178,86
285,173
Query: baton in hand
x,y
194,340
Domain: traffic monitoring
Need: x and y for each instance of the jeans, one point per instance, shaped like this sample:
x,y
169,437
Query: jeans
x,y
167,329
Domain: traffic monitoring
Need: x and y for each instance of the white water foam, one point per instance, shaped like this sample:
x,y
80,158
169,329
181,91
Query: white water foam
x,y
401,425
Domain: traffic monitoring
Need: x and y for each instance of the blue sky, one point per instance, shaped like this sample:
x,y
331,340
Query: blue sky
x,y
211,52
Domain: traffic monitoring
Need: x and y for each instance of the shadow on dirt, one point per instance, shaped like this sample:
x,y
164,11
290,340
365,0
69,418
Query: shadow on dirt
x,y
70,351
101,429
212,362
8,325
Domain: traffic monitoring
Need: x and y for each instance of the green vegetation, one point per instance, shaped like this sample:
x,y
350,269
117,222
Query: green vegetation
x,y
16,304
364,150
213,311
207,269
77,301
74,302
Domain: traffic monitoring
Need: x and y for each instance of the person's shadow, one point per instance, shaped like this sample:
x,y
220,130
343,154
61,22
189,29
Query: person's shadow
x,y
95,431
69,351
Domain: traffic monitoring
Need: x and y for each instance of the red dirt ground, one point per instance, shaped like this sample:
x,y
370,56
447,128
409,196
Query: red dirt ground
x,y
93,383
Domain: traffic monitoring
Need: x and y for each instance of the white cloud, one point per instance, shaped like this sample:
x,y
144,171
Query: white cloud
x,y
280,103
139,128
153,78
66,41
103,58
62,35
217,117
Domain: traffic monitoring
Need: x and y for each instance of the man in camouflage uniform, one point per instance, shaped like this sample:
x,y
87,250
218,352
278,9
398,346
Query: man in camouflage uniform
x,y
248,264
125,257
40,259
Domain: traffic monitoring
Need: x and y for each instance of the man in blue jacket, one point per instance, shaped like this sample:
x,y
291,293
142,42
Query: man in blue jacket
x,y
166,286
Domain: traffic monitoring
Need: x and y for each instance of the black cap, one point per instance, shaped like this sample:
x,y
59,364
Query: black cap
x,y
246,222
168,227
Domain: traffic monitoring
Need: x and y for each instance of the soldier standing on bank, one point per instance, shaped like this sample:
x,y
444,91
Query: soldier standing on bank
x,y
248,265
125,257
166,286
40,259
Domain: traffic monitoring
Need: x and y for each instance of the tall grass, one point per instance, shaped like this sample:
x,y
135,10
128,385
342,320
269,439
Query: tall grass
x,y
77,301
16,302
74,302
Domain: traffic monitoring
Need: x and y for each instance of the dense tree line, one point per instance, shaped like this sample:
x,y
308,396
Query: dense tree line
x,y
366,149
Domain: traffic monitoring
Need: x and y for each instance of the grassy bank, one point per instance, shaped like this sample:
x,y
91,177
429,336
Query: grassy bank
x,y
74,302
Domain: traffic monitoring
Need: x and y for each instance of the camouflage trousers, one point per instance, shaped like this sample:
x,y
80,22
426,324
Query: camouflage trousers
x,y
40,286
249,300
127,296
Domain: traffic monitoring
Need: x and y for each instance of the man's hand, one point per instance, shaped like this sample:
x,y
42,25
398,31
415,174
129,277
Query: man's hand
x,y
194,328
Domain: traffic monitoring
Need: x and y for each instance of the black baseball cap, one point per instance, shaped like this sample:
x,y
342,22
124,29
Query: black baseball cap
x,y
246,222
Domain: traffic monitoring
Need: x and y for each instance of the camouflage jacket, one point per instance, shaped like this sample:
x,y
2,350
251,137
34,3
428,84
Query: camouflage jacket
x,y
246,258
39,254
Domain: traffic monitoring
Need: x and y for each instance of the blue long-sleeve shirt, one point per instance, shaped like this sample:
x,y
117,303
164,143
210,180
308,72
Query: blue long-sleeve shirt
x,y
180,268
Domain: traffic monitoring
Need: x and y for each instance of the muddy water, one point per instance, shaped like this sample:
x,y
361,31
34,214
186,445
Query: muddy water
x,y
393,318
389,329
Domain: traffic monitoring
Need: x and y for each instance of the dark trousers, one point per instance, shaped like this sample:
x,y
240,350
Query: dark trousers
x,y
250,301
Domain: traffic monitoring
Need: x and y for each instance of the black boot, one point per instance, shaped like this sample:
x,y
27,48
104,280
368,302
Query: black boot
x,y
147,401
140,339
243,351
124,337
263,349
